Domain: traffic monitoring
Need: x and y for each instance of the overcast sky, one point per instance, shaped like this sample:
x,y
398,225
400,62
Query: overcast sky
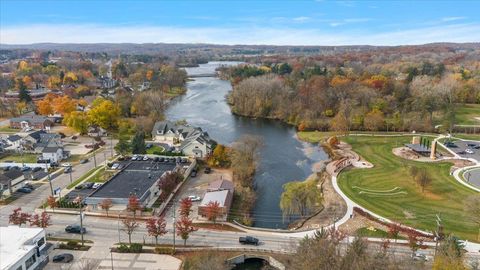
x,y
240,22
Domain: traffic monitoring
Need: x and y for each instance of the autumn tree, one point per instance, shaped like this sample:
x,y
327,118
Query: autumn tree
x,y
104,113
43,220
70,78
156,227
472,210
44,106
17,217
129,226
52,202
244,156
185,207
134,204
449,255
64,105
219,157
184,227
54,82
77,120
213,211
300,198
394,230
374,120
168,183
106,204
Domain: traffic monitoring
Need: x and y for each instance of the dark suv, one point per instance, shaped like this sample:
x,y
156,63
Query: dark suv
x,y
75,229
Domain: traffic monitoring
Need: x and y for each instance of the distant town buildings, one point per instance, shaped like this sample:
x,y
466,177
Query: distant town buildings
x,y
32,121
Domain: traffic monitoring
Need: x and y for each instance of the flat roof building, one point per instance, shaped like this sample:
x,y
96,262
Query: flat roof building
x,y
138,178
22,248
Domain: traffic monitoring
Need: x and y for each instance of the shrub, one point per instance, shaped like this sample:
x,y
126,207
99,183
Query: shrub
x,y
123,248
164,250
136,248
72,243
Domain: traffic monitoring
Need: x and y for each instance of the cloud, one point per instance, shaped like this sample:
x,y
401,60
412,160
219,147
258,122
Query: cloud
x,y
451,19
347,21
92,33
301,19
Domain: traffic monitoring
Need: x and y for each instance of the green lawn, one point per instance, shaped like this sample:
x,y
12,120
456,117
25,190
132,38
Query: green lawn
x,y
8,129
26,158
101,176
388,190
466,114
83,177
155,149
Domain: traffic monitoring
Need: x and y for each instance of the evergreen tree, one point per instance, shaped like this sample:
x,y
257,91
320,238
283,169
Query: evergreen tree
x,y
24,95
138,143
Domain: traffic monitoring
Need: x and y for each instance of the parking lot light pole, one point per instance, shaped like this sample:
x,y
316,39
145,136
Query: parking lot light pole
x,y
174,224
49,179
79,201
71,169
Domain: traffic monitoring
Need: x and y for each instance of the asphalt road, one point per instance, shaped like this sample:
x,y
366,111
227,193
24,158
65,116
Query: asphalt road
x,y
29,202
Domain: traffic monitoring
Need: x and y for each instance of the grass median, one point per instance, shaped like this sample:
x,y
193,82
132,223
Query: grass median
x,y
83,177
389,190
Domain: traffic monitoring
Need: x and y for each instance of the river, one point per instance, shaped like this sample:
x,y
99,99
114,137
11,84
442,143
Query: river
x,y
283,158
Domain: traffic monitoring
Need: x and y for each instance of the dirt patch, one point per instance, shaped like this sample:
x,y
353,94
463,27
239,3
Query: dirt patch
x,y
408,215
405,153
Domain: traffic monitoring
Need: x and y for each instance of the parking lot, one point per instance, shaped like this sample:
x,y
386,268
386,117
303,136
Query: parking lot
x,y
463,147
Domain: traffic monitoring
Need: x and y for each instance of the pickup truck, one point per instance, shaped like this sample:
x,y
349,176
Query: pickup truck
x,y
248,240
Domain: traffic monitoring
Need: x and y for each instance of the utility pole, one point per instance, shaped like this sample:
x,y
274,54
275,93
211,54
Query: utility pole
x,y
80,206
111,257
118,228
71,169
49,179
174,224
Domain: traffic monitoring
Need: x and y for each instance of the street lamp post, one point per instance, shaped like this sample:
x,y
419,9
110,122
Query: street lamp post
x,y
71,169
49,178
79,201
174,223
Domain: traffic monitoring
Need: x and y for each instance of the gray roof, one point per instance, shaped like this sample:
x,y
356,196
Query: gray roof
x,y
221,185
14,138
220,196
31,119
189,133
51,149
36,135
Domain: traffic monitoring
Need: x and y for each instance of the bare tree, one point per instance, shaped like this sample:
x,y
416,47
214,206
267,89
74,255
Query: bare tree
x,y
106,204
129,226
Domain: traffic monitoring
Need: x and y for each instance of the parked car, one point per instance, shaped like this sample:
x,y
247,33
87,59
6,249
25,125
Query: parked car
x,y
83,161
207,170
97,185
88,185
178,159
184,160
62,258
7,168
80,186
24,169
134,157
67,170
148,145
417,256
66,165
75,229
193,173
194,198
161,159
248,240
471,144
145,158
24,190
28,185
155,159
36,169
450,145
115,166
469,151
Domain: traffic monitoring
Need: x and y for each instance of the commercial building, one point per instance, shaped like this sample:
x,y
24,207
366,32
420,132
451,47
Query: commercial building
x,y
220,191
22,248
31,121
138,178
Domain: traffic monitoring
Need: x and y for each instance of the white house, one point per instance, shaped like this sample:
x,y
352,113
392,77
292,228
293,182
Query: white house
x,y
14,142
192,141
22,248
54,153
10,181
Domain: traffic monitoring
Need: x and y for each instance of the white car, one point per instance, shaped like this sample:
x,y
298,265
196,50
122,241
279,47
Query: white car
x,y
469,151
115,166
145,158
66,165
134,157
194,198
97,185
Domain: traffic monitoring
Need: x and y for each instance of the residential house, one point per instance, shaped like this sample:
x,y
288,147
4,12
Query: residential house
x,y
31,121
13,142
35,94
96,131
23,248
221,185
36,141
54,154
192,141
10,181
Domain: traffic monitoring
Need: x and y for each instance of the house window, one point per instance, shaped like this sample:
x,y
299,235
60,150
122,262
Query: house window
x,y
31,261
